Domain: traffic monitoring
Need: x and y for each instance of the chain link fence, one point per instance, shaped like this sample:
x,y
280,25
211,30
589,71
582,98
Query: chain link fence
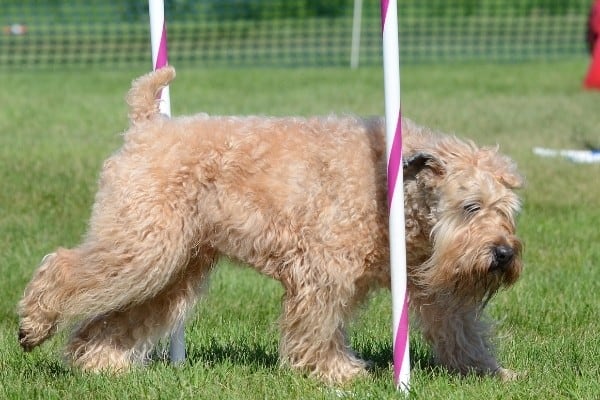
x,y
288,33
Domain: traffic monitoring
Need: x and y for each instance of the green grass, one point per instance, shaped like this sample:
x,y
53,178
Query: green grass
x,y
57,127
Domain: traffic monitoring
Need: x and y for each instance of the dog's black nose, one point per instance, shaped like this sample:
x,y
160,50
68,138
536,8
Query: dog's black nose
x,y
503,255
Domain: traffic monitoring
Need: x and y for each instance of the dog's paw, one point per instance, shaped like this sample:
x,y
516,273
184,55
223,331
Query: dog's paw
x,y
27,340
345,370
30,338
506,375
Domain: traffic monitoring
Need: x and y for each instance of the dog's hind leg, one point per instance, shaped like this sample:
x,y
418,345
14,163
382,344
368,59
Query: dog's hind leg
x,y
112,270
39,312
115,341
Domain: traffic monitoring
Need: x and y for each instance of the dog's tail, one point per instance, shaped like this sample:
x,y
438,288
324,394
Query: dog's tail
x,y
143,97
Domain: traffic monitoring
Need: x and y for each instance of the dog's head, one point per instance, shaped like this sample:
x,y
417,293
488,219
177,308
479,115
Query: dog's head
x,y
470,203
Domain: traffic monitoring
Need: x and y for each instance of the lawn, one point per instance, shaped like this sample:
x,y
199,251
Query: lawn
x,y
56,127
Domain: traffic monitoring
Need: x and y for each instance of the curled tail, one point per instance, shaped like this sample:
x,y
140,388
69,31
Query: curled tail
x,y
143,97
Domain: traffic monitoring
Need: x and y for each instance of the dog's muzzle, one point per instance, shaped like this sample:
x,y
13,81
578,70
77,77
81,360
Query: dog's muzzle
x,y
503,256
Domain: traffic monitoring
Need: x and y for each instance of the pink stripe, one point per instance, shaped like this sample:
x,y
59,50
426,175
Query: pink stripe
x,y
384,8
401,341
162,57
395,160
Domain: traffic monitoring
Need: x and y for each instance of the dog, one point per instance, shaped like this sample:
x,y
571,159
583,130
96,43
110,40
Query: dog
x,y
301,200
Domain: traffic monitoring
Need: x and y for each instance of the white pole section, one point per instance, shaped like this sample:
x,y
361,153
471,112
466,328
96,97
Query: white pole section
x,y
158,38
393,125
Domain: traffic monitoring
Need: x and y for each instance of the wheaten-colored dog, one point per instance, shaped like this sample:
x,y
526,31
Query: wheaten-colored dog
x,y
302,200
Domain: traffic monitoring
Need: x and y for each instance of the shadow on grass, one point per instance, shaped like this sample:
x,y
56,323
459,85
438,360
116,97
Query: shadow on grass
x,y
51,368
266,356
381,359
218,352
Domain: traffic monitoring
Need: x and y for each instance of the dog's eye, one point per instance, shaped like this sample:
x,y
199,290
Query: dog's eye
x,y
471,208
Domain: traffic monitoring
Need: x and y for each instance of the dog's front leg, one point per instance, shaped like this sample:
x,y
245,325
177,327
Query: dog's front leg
x,y
460,337
313,338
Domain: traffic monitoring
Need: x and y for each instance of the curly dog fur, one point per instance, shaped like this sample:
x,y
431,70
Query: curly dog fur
x,y
302,200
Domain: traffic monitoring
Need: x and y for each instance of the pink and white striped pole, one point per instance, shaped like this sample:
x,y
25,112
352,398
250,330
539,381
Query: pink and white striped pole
x,y
158,39
393,128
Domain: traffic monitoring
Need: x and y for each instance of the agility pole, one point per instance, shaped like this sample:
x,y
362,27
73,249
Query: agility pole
x,y
393,129
158,39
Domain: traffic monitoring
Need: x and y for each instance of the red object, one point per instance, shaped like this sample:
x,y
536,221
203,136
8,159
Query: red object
x,y
593,26
592,79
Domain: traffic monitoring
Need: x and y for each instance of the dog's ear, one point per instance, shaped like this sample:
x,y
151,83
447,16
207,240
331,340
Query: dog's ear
x,y
512,180
415,163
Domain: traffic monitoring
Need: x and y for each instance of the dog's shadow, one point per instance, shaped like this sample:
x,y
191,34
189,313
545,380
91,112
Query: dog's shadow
x,y
255,355
265,356
380,358
260,356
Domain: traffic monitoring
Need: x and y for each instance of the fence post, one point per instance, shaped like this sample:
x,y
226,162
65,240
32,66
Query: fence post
x,y
356,25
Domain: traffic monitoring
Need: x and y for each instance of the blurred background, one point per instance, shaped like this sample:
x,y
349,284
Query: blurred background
x,y
283,33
